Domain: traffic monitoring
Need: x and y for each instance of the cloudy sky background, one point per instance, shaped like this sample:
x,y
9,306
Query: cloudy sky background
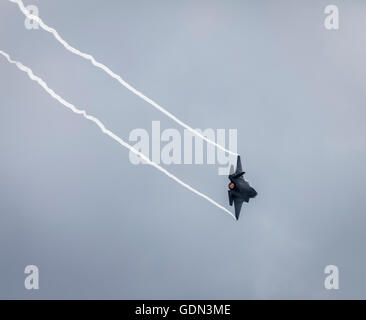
x,y
99,227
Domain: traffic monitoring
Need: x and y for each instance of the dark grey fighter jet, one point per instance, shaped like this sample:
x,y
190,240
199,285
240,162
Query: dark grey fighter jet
x,y
239,189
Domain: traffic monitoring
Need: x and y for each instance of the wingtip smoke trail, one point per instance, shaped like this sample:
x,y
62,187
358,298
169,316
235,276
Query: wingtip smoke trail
x,y
109,133
99,65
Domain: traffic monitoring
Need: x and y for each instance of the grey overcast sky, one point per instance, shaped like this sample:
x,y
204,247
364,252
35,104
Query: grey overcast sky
x,y
97,226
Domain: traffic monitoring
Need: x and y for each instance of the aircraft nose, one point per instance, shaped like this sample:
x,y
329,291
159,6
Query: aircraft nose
x,y
253,193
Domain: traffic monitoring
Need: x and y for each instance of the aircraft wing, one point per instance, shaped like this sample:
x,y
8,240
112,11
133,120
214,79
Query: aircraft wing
x,y
238,203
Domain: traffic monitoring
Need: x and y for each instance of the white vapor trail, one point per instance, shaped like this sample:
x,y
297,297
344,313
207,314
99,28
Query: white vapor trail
x,y
114,75
109,133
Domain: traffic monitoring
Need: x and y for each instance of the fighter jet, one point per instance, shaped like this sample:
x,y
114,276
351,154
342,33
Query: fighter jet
x,y
239,189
